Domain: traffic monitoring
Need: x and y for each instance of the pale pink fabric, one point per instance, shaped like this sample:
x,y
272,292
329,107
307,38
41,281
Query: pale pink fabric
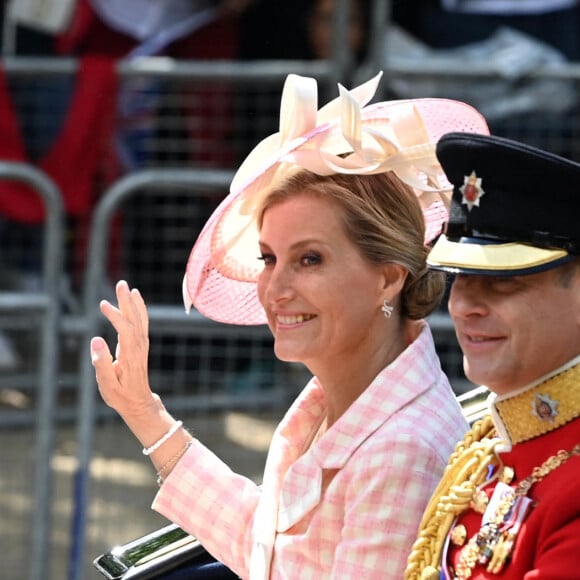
x,y
346,507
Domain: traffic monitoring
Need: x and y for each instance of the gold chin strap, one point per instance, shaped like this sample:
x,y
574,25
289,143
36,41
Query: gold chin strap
x,y
467,469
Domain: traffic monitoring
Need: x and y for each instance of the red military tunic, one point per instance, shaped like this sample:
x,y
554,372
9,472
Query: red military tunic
x,y
535,423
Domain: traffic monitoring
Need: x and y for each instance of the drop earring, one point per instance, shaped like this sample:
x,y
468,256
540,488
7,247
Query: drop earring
x,y
387,308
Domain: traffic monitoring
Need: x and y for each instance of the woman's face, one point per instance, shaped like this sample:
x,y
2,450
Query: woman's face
x,y
321,298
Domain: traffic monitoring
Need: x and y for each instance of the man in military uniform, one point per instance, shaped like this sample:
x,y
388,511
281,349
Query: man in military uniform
x,y
508,504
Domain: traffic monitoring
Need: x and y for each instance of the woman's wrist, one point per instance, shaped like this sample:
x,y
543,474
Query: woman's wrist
x,y
163,439
149,422
168,466
162,436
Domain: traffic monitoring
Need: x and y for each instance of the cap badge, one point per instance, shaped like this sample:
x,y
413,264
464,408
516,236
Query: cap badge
x,y
471,190
544,408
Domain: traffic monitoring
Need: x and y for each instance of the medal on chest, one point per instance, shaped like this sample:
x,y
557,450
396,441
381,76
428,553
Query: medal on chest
x,y
502,519
493,543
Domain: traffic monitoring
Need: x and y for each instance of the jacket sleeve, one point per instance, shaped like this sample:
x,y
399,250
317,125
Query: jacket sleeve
x,y
204,497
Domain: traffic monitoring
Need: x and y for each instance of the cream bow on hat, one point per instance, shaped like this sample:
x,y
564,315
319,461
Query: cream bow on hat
x,y
345,136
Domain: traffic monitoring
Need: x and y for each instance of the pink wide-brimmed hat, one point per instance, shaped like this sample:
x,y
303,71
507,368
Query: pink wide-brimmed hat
x,y
345,136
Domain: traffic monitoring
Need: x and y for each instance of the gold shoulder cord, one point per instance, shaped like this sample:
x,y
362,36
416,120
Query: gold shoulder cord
x,y
467,469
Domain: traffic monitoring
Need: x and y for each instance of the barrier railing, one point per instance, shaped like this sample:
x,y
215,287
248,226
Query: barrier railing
x,y
41,310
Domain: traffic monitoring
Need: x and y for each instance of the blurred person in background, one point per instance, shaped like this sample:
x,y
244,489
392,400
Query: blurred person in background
x,y
323,237
300,31
508,505
102,121
518,39
452,23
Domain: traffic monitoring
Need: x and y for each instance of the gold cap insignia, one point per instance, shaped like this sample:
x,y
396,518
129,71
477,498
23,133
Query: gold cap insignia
x,y
471,190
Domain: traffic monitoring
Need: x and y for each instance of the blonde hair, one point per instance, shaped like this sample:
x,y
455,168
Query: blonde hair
x,y
384,220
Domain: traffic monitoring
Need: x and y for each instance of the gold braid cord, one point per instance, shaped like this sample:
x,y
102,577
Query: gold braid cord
x,y
467,469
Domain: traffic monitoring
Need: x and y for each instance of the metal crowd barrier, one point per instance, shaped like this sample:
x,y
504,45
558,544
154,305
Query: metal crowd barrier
x,y
41,311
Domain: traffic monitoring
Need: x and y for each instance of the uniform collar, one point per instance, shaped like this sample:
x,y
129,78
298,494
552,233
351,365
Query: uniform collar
x,y
541,407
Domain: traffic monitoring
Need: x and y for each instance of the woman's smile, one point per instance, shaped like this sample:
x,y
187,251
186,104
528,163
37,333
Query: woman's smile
x,y
293,320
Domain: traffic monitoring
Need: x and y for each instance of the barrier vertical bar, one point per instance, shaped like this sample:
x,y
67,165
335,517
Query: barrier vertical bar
x,y
48,367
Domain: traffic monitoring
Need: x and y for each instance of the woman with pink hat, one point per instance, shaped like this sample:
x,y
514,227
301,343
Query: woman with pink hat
x,y
324,237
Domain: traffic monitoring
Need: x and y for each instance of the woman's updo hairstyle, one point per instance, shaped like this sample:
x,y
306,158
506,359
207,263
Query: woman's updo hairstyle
x,y
383,218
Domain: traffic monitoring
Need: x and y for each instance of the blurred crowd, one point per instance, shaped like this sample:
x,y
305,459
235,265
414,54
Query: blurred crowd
x,y
82,116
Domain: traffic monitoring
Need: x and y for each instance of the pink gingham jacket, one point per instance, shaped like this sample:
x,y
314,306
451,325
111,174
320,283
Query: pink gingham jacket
x,y
347,505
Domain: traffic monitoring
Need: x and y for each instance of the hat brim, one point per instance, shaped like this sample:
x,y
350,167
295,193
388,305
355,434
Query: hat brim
x,y
475,256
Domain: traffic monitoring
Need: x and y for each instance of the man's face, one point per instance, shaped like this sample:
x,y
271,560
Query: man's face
x,y
513,330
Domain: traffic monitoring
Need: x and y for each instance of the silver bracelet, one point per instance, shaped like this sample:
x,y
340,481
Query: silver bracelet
x,y
160,442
